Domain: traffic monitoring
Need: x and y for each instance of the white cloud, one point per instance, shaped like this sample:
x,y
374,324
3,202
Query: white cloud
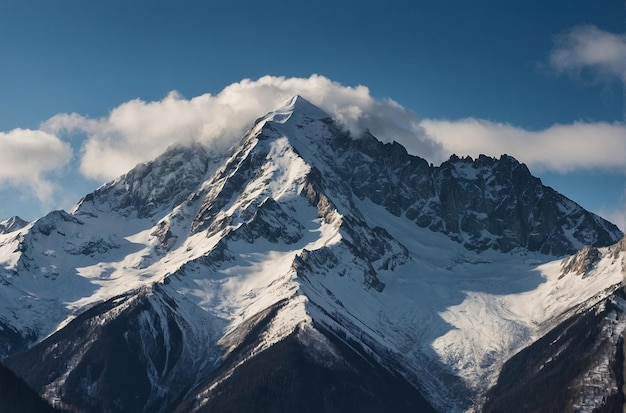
x,y
589,48
27,157
560,148
138,131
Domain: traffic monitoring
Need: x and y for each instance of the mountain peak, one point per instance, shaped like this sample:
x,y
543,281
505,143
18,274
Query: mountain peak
x,y
12,224
297,103
297,107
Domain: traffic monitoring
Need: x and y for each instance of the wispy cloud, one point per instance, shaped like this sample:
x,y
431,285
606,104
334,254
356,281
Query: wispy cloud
x,y
560,148
589,49
28,157
138,131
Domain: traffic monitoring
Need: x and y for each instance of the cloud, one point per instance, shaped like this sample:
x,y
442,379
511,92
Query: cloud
x,y
560,148
28,157
138,131
587,48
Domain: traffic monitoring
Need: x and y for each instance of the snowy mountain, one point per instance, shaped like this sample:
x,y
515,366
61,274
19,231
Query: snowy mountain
x,y
309,270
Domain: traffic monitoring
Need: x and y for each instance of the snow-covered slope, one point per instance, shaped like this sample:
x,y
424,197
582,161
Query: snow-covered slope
x,y
584,353
188,268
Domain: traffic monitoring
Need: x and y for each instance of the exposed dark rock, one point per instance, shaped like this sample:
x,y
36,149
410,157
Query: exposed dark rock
x,y
164,235
53,222
92,247
226,183
296,375
115,357
12,340
152,186
271,222
582,262
483,203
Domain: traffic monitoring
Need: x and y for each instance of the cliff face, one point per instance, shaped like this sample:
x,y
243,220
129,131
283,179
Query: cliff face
x,y
483,204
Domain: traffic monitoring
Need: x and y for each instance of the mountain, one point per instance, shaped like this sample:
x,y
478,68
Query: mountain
x,y
309,270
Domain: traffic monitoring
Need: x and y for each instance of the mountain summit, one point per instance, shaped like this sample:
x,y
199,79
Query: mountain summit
x,y
309,270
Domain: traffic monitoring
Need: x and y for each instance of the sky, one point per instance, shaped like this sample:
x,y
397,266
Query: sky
x,y
88,89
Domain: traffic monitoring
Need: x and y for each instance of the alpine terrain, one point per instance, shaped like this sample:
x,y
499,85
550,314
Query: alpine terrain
x,y
309,270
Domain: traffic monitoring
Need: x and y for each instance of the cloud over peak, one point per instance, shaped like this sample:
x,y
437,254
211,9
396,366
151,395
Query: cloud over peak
x,y
138,131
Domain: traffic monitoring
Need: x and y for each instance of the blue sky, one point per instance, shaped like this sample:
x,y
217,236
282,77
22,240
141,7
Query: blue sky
x,y
86,87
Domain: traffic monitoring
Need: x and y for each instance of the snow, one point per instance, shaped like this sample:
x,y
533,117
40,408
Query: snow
x,y
472,311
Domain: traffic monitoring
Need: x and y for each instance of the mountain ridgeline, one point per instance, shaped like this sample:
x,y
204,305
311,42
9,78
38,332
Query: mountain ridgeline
x,y
485,203
310,270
